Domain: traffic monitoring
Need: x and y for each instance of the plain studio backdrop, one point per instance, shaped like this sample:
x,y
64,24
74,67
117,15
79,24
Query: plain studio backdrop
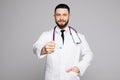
x,y
22,22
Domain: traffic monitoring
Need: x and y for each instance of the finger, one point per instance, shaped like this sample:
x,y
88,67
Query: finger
x,y
75,69
50,47
69,69
50,51
52,42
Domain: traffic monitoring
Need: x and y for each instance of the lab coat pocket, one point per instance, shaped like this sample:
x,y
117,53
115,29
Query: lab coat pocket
x,y
72,76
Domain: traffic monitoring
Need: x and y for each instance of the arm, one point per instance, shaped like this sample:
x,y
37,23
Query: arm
x,y
42,46
38,46
87,56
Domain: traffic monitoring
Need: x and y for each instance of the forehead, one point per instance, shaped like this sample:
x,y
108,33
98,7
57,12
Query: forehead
x,y
61,10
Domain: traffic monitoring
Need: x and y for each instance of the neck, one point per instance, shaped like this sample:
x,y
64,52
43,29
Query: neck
x,y
62,27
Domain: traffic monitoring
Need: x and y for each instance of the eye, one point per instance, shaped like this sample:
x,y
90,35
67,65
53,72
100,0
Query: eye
x,y
64,14
57,14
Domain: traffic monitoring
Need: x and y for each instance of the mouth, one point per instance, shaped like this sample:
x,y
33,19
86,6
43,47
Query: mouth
x,y
61,21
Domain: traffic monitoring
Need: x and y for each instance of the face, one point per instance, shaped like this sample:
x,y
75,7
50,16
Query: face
x,y
62,17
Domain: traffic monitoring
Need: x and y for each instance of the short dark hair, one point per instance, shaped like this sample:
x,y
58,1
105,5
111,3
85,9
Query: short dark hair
x,y
62,6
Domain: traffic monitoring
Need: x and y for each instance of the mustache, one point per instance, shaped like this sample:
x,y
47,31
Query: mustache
x,y
61,20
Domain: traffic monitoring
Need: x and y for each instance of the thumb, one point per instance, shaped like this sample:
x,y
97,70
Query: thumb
x,y
53,42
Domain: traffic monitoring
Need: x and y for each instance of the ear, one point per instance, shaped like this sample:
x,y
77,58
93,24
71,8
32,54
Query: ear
x,y
54,15
69,15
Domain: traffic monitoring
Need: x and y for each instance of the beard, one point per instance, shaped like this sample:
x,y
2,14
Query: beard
x,y
61,26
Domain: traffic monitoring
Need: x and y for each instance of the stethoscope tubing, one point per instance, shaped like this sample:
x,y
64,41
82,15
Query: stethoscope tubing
x,y
70,34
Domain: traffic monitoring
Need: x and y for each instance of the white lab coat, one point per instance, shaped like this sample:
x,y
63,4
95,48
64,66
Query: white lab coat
x,y
65,56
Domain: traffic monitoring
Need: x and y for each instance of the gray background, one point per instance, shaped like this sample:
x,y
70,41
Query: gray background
x,y
22,22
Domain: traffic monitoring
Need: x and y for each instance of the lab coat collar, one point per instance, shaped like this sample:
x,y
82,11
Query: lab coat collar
x,y
58,30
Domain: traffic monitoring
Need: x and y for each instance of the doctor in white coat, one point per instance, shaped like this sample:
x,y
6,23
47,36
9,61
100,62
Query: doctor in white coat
x,y
67,52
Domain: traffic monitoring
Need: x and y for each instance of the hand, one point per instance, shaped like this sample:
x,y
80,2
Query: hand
x,y
49,47
74,69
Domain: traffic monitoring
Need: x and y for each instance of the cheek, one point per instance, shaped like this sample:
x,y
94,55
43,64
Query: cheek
x,y
68,18
57,18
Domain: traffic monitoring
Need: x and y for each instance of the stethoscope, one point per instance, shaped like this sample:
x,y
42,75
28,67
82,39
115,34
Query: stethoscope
x,y
70,28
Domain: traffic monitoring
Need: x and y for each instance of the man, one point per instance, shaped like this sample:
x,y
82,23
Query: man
x,y
67,52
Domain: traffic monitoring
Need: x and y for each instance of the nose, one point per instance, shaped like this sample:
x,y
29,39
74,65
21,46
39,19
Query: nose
x,y
61,17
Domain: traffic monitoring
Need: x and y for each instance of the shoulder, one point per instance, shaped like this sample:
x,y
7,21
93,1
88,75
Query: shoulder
x,y
76,31
82,36
45,36
48,32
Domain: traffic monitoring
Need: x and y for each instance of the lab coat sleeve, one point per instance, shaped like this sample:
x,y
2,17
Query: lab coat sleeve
x,y
86,55
39,44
